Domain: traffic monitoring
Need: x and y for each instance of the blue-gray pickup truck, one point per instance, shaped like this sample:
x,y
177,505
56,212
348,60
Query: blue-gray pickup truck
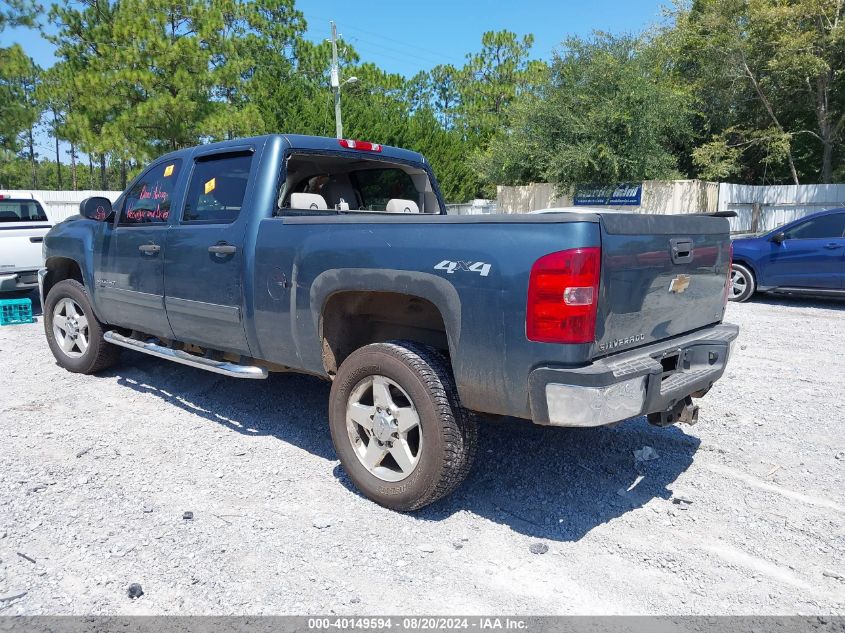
x,y
337,258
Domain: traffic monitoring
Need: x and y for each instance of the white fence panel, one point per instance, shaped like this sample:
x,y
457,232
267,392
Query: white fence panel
x,y
476,207
659,197
776,205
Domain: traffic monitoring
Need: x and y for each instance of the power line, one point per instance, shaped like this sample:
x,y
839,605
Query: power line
x,y
373,49
436,57
416,49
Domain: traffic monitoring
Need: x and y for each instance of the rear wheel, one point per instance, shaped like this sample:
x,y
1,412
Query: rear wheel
x,y
743,284
398,427
73,332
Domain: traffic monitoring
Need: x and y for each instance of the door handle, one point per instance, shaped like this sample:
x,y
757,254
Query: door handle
x,y
832,245
149,249
221,250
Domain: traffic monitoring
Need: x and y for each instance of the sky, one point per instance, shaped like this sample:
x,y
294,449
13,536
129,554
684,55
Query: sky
x,y
406,37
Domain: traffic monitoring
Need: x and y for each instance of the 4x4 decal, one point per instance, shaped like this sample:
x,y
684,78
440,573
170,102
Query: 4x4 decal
x,y
481,268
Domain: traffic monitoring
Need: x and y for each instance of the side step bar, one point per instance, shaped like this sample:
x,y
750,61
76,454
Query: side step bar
x,y
178,356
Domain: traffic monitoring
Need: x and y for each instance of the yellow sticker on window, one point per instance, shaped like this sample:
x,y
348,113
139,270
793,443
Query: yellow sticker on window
x,y
168,171
210,185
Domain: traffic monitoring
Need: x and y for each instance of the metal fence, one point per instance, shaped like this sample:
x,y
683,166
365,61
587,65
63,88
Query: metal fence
x,y
476,207
763,208
658,197
60,205
758,208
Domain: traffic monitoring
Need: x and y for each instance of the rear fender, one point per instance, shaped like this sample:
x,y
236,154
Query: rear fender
x,y
426,286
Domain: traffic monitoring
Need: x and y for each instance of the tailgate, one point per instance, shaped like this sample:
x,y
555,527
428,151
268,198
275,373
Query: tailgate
x,y
20,245
662,276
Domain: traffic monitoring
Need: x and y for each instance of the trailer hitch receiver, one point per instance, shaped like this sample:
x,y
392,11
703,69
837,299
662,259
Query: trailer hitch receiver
x,y
683,412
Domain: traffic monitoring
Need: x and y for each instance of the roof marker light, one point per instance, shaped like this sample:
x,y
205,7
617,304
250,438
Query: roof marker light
x,y
363,146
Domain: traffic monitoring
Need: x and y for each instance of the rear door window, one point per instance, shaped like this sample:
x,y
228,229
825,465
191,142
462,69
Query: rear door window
x,y
217,189
825,227
148,200
12,210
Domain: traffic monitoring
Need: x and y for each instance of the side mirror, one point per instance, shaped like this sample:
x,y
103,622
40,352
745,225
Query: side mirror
x,y
96,208
778,238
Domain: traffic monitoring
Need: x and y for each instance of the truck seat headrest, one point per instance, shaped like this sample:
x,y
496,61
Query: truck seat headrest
x,y
308,201
398,205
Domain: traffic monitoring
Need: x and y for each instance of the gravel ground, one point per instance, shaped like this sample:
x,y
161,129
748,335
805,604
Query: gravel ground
x,y
742,514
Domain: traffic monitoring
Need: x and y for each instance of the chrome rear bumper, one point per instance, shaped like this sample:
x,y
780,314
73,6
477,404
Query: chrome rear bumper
x,y
649,379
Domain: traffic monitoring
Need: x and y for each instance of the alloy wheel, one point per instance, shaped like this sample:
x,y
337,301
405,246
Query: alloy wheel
x,y
739,283
384,428
70,327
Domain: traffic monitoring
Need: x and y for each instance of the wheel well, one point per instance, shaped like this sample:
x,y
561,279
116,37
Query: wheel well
x,y
59,269
744,263
351,320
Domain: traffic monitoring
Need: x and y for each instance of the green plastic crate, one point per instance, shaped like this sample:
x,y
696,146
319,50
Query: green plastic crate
x,y
15,311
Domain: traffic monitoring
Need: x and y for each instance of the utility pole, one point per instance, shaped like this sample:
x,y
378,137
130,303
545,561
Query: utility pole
x,y
336,83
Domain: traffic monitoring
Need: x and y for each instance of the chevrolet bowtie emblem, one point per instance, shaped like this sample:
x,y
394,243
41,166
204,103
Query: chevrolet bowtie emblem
x,y
679,284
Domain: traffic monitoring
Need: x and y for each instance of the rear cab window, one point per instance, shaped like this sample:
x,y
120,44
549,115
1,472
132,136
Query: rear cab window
x,y
325,183
21,210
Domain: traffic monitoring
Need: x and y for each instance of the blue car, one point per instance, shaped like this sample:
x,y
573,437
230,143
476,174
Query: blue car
x,y
806,256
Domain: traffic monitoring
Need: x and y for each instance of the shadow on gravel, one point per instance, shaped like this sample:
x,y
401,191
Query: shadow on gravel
x,y
549,483
290,407
559,484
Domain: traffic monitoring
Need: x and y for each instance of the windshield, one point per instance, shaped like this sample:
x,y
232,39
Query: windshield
x,y
21,211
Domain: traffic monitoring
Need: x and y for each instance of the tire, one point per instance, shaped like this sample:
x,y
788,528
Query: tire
x,y
743,284
78,346
414,466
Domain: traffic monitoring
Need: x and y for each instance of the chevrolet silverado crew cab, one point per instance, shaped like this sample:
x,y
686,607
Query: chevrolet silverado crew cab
x,y
23,225
336,258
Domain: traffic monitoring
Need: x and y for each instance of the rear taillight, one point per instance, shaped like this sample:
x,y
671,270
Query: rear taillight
x,y
562,297
728,280
362,146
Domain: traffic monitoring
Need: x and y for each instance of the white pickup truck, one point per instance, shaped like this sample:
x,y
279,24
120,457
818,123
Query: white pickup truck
x,y
23,225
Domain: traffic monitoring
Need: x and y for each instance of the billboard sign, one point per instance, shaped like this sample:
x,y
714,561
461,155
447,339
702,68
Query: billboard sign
x,y
627,194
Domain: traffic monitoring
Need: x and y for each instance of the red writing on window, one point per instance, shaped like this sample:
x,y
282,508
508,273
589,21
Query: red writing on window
x,y
158,213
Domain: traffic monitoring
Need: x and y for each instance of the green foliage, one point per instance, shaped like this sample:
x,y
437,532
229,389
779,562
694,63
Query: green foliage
x,y
726,89
19,110
611,111
141,77
17,174
494,78
769,77
18,13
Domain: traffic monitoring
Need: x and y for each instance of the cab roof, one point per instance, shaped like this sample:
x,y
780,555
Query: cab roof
x,y
304,142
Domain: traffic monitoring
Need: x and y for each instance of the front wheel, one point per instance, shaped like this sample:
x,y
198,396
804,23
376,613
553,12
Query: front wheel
x,y
73,332
742,283
398,427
